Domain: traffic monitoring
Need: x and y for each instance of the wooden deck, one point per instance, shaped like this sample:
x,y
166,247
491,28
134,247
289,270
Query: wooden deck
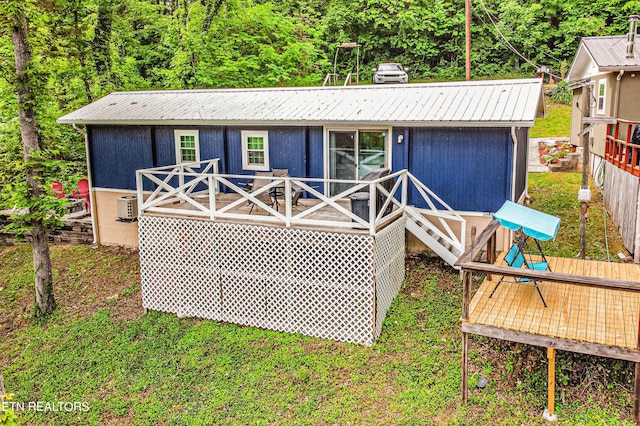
x,y
592,307
596,316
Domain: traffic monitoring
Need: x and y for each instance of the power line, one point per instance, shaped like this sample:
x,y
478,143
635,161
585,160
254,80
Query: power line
x,y
509,45
513,33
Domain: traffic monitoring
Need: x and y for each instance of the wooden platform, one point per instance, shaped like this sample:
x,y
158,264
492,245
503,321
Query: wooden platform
x,y
594,318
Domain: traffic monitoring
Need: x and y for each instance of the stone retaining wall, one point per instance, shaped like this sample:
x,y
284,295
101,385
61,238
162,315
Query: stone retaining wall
x,y
74,231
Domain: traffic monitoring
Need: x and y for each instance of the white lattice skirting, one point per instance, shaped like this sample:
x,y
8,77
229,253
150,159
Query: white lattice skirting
x,y
326,284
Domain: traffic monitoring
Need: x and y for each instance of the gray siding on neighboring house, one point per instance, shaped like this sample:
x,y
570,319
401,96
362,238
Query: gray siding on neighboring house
x,y
629,106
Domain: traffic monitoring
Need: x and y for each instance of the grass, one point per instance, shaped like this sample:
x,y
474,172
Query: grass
x,y
557,193
131,368
557,122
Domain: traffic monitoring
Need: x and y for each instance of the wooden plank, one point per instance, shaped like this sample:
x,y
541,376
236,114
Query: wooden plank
x,y
465,363
636,384
588,281
616,322
471,254
554,342
632,307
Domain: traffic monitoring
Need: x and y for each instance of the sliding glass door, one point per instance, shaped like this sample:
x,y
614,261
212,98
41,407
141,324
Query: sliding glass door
x,y
353,154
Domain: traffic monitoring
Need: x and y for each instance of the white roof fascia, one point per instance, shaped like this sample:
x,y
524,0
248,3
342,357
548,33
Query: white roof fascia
x,y
305,123
583,66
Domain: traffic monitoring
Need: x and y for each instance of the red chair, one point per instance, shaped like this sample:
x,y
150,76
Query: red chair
x,y
56,187
83,193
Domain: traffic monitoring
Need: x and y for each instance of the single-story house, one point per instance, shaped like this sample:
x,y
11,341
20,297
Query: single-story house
x,y
467,141
211,247
610,67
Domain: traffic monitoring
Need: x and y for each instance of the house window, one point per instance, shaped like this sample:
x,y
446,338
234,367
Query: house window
x,y
602,92
255,150
187,146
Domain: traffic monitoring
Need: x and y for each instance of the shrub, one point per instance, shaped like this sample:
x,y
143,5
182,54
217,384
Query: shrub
x,y
561,93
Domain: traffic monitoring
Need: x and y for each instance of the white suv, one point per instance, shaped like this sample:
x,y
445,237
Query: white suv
x,y
390,72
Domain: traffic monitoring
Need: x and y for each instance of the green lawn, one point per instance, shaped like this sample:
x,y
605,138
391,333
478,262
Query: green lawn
x,y
131,368
556,123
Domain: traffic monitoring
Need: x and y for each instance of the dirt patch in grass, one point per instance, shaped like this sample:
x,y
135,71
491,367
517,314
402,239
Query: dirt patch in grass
x,y
86,280
419,268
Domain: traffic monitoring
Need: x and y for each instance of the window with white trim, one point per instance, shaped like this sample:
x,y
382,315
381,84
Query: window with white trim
x,y
255,150
602,92
187,146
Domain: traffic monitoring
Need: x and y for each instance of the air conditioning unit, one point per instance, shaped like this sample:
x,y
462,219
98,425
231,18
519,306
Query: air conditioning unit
x,y
127,208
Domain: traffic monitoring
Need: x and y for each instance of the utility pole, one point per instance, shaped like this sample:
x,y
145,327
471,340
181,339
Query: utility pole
x,y
584,195
467,21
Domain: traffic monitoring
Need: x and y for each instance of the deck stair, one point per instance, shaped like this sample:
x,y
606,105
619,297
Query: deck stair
x,y
433,226
431,236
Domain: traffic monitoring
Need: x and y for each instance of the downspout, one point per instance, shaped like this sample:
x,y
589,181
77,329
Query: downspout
x,y
617,100
514,164
513,180
94,222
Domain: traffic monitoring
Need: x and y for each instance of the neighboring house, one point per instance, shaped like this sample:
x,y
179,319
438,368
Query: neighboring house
x,y
610,66
601,62
208,248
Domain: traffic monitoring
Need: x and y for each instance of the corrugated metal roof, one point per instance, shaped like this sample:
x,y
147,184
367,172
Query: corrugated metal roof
x,y
602,54
474,103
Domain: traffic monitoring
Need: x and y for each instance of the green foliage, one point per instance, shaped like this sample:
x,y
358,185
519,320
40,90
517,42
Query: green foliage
x,y
561,93
8,417
29,209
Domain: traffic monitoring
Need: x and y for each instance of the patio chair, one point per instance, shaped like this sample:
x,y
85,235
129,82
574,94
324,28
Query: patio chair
x,y
297,191
265,196
387,185
515,259
56,187
83,193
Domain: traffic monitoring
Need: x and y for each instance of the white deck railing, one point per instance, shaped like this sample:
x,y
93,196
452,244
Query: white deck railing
x,y
190,189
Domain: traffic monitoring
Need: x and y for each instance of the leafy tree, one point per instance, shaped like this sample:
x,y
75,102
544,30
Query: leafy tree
x,y
32,196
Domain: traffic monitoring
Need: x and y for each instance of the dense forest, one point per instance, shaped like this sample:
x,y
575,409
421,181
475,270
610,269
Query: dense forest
x,y
84,49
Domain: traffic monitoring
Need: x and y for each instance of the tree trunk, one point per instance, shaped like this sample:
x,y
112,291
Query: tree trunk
x,y
44,301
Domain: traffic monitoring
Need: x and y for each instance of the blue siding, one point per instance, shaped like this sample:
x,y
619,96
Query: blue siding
x,y
469,168
116,154
211,144
400,151
315,164
165,146
287,149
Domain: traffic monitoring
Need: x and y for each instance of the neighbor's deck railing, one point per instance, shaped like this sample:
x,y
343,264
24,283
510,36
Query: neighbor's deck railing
x,y
619,150
190,183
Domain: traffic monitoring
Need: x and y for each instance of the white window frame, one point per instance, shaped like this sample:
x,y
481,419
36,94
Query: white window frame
x,y
601,97
246,134
178,134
